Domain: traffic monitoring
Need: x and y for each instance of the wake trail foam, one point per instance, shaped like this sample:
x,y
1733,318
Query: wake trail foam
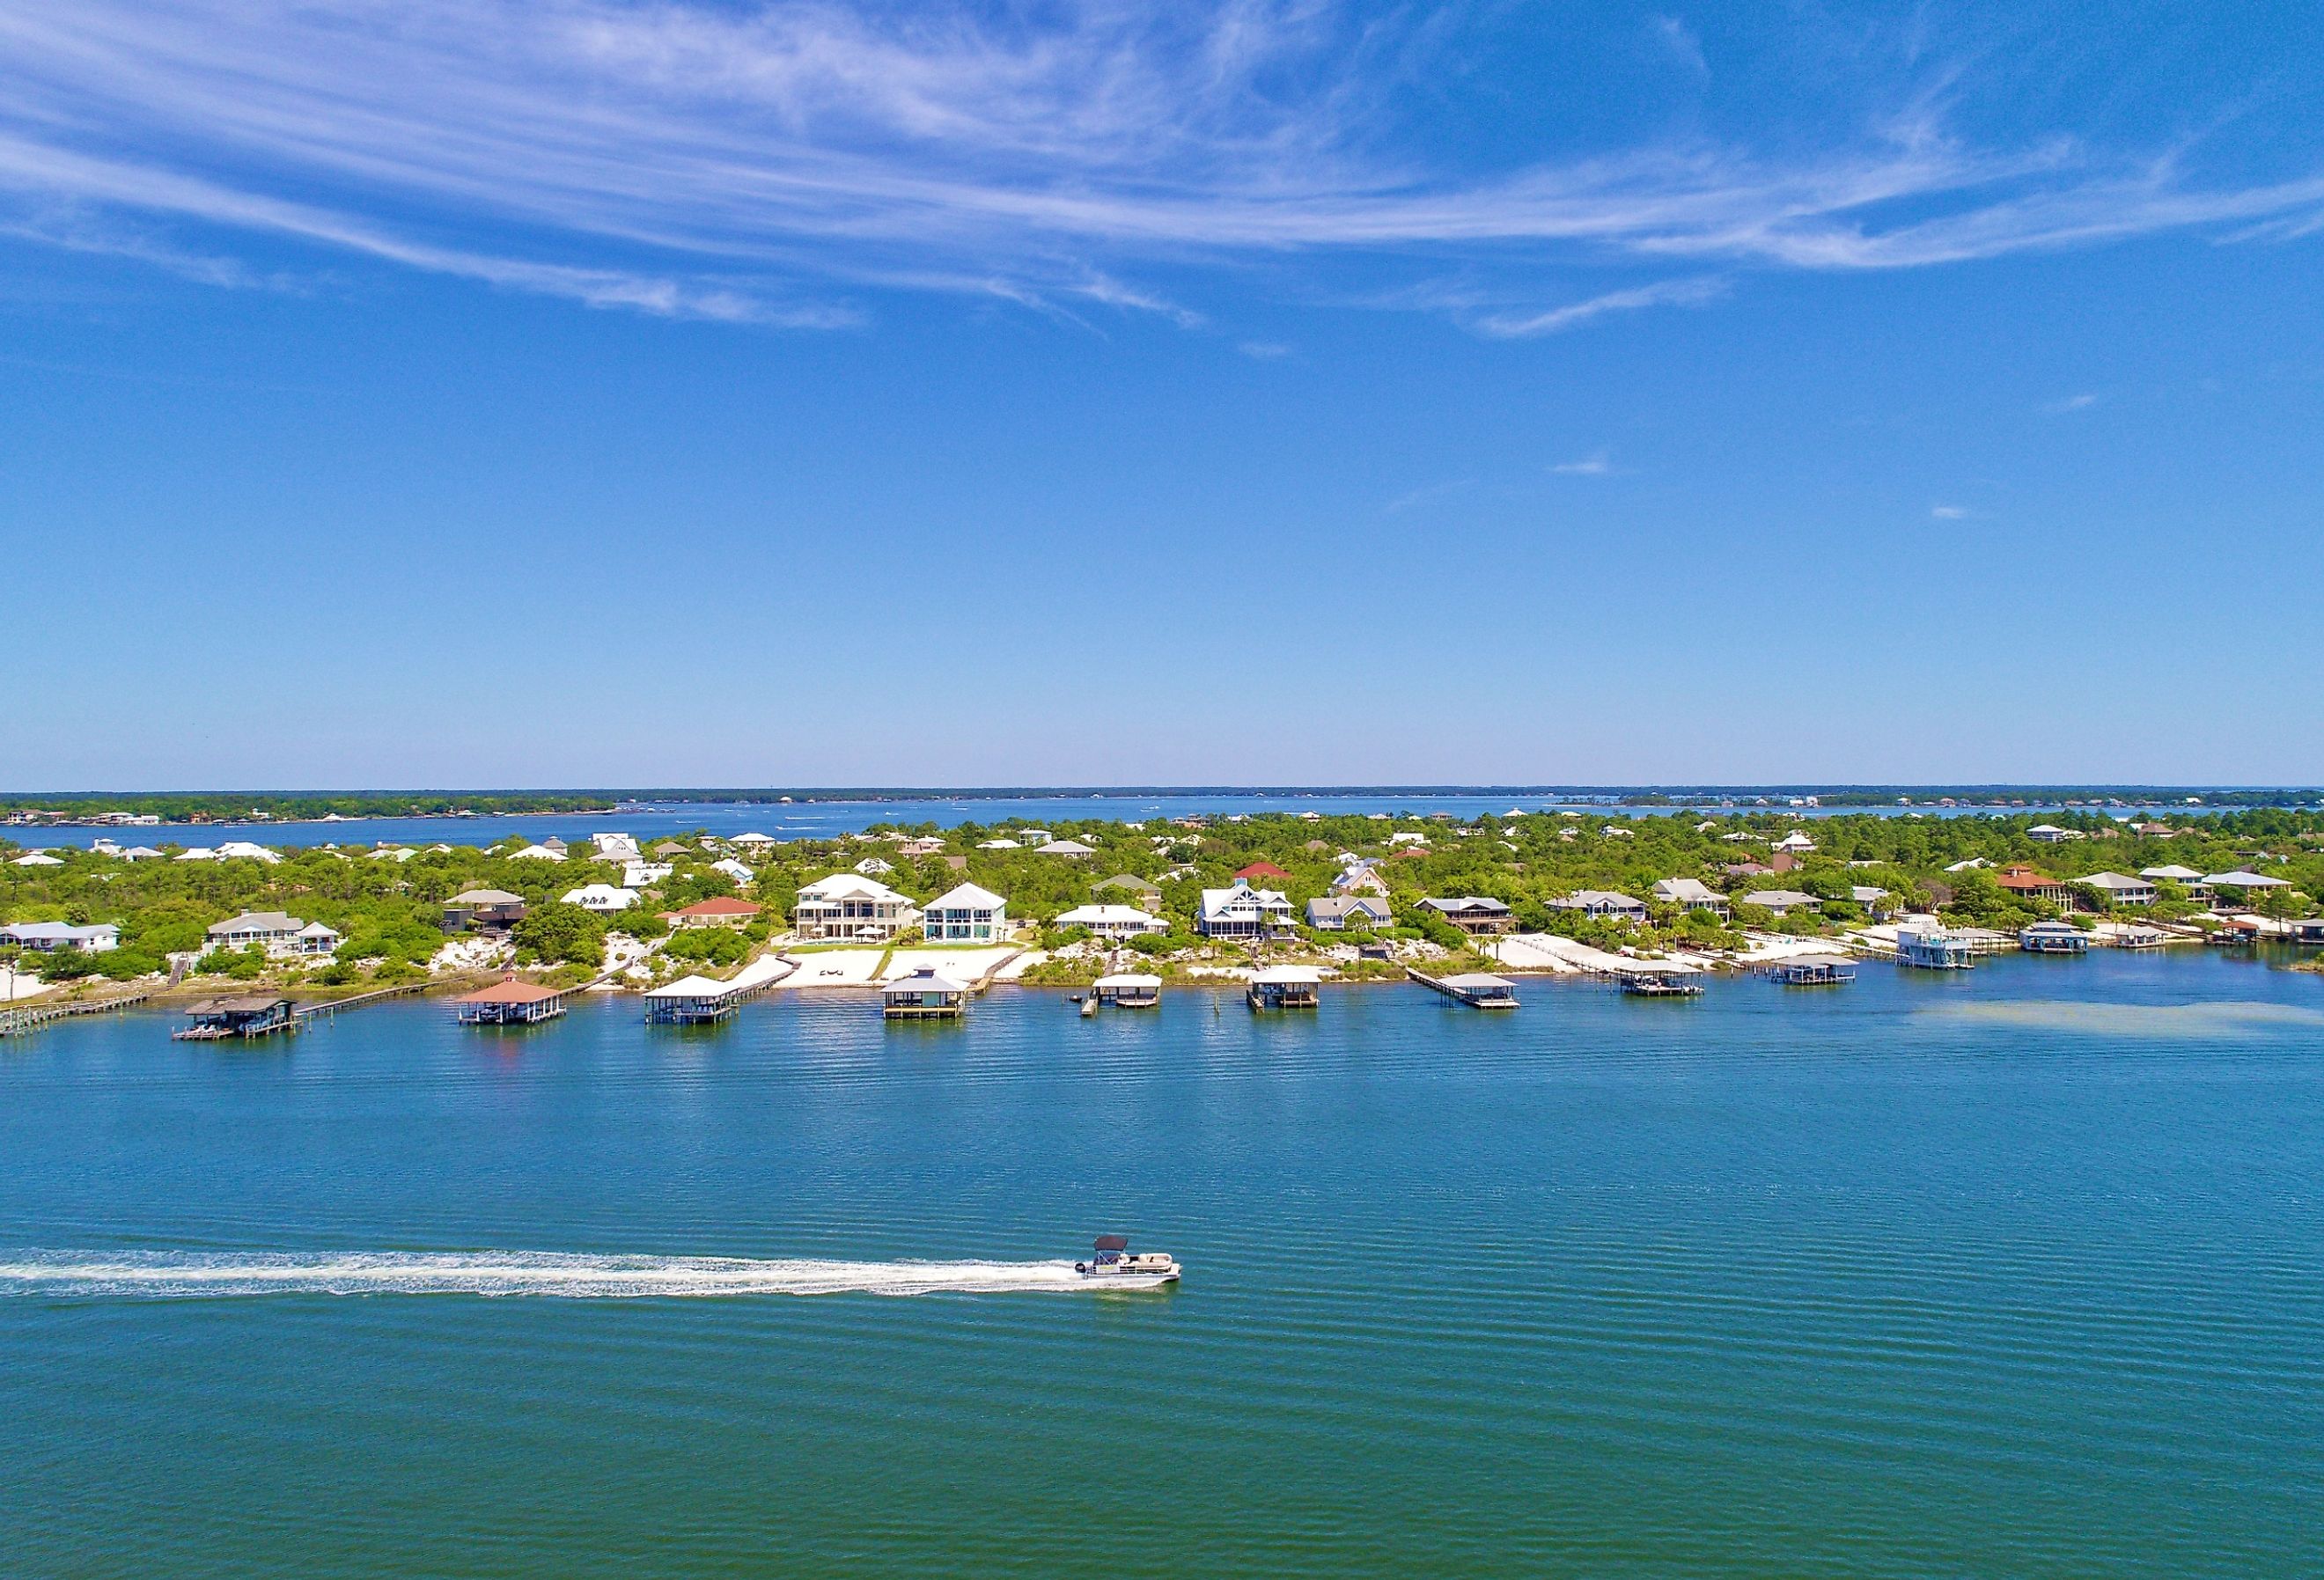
x,y
182,1275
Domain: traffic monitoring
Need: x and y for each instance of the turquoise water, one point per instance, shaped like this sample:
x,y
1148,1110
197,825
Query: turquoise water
x,y
2020,1273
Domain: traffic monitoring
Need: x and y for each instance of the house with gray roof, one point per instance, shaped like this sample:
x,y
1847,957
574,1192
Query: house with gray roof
x,y
43,936
1336,913
1783,901
1693,893
1602,903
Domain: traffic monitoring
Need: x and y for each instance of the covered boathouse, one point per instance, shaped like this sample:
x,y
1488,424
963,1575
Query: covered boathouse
x,y
691,1000
924,995
510,1002
246,1015
1285,987
1129,991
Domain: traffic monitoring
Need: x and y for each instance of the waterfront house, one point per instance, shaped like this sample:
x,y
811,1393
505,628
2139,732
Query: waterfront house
x,y
2028,885
1072,848
192,853
1783,901
1693,893
2187,878
1473,914
1114,921
756,843
925,995
491,910
138,853
1336,913
2230,889
1260,870
243,850
1243,912
1143,893
1602,903
37,858
847,905
536,853
278,935
602,898
42,936
719,910
1875,900
967,914
2117,889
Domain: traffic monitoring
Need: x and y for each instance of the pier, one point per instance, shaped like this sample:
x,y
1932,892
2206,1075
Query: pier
x,y
704,1001
1813,971
15,1022
512,1003
1479,990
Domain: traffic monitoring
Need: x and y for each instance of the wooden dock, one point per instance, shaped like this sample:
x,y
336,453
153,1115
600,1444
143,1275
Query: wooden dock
x,y
32,1017
328,1007
1477,989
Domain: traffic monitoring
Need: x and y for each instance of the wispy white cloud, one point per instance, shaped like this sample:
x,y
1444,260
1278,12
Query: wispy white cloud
x,y
1404,502
1264,350
1693,292
1596,466
1682,42
2059,408
1949,513
760,162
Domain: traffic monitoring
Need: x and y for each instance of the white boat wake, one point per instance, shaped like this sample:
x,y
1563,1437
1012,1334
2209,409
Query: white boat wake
x,y
195,1275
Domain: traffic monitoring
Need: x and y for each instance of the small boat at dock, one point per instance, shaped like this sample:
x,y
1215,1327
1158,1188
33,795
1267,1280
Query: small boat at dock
x,y
1813,971
1660,985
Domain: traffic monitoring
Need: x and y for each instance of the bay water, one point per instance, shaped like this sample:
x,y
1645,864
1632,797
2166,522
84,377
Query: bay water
x,y
2016,1272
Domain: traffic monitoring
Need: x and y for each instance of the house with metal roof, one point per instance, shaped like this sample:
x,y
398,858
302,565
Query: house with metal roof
x,y
603,898
43,936
1336,913
1242,911
847,905
1114,921
1473,914
1783,901
2119,889
967,914
278,934
1693,893
1602,903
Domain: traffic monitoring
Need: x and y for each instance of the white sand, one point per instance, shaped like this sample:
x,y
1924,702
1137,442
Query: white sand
x,y
836,968
1548,952
970,965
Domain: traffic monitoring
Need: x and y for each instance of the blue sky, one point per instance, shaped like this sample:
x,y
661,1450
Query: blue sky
x,y
1275,391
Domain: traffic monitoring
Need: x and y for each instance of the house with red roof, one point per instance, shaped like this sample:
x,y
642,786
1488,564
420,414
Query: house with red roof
x,y
718,910
1261,870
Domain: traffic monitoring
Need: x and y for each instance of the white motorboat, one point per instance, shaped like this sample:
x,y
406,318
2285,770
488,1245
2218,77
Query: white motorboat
x,y
1114,1263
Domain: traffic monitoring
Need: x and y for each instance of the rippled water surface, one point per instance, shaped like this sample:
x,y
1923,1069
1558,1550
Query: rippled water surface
x,y
2020,1273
